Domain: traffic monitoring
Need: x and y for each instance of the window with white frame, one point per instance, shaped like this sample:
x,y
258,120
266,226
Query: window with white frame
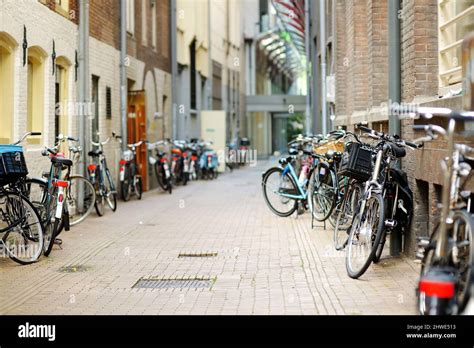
x,y
456,20
131,16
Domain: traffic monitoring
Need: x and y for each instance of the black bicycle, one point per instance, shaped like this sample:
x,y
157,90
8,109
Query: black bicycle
x,y
100,177
130,175
385,203
161,166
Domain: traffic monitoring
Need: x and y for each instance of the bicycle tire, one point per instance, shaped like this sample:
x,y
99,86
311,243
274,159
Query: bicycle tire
x,y
110,191
139,188
349,201
125,184
89,198
290,180
329,180
356,272
27,204
161,176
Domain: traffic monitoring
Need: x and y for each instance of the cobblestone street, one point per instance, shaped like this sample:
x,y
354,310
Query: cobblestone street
x,y
264,264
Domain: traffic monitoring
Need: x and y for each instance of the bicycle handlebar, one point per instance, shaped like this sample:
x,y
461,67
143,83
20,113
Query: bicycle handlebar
x,y
26,135
429,112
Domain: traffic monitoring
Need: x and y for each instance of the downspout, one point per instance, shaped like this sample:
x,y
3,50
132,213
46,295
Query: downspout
x,y
83,86
209,51
394,89
308,64
322,43
123,73
174,67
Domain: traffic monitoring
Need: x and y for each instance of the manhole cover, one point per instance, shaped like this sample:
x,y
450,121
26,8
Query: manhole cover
x,y
194,283
73,269
197,255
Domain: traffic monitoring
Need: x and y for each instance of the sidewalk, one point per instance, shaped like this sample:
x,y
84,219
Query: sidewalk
x,y
264,264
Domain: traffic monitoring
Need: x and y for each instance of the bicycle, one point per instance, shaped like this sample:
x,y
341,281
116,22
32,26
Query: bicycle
x,y
161,166
130,176
289,190
375,213
20,223
446,276
101,179
56,194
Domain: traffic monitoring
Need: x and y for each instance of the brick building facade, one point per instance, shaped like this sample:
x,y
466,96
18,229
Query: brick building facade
x,y
361,71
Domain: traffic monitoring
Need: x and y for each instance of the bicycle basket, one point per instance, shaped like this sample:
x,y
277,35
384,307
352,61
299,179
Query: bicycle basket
x,y
333,145
357,162
12,164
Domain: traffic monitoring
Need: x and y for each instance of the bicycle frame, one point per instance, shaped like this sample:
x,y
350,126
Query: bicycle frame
x,y
303,193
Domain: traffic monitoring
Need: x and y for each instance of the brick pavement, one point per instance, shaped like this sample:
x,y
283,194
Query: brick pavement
x,y
264,264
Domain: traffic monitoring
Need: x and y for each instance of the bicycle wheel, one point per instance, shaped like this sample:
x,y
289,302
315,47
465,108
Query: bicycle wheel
x,y
461,255
322,192
79,212
161,176
345,214
111,193
45,203
364,238
139,187
23,240
125,185
273,185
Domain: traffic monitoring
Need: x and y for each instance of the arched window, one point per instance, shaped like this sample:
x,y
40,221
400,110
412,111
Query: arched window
x,y
35,119
7,48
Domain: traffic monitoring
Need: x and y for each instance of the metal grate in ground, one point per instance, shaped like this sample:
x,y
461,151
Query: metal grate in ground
x,y
207,254
191,283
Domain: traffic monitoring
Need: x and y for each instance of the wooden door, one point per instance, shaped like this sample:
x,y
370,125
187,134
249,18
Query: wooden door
x,y
136,130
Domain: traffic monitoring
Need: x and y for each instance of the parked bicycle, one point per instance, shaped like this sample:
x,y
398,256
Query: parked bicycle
x,y
446,278
161,166
21,229
130,172
101,179
62,199
382,206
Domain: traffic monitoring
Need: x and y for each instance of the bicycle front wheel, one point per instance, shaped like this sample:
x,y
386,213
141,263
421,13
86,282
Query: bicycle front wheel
x,y
366,233
345,214
23,239
111,193
274,184
78,211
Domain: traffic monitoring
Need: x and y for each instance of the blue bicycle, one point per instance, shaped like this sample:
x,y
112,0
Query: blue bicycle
x,y
283,190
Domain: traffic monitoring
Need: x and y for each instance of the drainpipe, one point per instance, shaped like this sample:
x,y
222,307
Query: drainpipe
x,y
209,52
308,64
322,45
394,90
123,72
174,67
83,87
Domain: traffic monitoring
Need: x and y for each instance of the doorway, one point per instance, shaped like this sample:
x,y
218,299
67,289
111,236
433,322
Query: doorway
x,y
136,130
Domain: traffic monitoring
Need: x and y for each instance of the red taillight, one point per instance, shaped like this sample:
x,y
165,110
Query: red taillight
x,y
436,288
60,183
92,167
163,160
185,155
194,158
122,162
174,159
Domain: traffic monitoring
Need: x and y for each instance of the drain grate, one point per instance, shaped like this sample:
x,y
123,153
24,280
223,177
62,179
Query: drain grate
x,y
73,269
197,255
191,283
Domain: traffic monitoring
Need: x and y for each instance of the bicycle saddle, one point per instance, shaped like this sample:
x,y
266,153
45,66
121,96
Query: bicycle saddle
x,y
286,160
95,153
62,161
397,151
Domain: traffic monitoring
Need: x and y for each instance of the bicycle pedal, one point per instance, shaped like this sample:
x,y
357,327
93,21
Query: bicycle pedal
x,y
390,223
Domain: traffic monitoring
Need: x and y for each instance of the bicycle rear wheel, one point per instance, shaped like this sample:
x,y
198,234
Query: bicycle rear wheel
x,y
273,185
24,237
111,193
322,192
125,185
79,212
366,233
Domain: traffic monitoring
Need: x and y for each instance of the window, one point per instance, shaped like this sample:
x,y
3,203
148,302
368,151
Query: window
x,y
131,16
153,23
6,88
192,54
35,93
144,22
456,19
95,103
61,93
108,97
